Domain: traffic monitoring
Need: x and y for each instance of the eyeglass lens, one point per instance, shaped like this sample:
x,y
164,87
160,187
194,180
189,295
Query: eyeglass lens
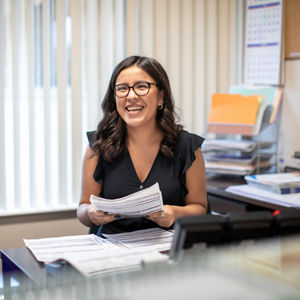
x,y
140,89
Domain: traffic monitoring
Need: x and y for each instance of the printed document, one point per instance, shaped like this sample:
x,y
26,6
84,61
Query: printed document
x,y
138,204
92,255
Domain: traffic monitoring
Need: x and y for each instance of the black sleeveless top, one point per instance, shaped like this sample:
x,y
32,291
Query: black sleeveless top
x,y
118,178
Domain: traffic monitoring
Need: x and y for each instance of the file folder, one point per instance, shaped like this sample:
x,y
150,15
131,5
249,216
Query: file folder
x,y
236,114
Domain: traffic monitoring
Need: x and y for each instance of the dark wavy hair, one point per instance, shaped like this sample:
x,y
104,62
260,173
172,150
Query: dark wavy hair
x,y
110,137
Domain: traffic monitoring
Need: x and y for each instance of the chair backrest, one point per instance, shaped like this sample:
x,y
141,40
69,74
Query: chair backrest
x,y
97,230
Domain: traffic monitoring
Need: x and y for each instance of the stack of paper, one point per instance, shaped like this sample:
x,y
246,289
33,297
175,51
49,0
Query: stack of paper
x,y
152,238
92,255
138,204
281,183
236,157
234,168
227,144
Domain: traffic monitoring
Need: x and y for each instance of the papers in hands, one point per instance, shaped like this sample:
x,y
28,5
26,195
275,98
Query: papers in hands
x,y
138,204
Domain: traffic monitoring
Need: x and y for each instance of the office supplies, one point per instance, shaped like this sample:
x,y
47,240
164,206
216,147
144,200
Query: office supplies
x,y
151,239
287,200
229,144
141,203
236,114
281,183
235,168
273,95
92,255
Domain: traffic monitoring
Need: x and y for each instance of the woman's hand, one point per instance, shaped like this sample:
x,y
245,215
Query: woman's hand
x,y
166,218
99,217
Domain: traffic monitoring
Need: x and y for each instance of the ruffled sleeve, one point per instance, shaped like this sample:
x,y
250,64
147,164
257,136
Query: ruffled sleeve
x,y
91,137
99,172
185,153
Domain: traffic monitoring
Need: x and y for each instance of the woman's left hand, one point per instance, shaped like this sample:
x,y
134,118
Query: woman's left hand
x,y
166,218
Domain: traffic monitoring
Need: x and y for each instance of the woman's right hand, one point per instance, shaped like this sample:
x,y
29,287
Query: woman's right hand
x,y
99,217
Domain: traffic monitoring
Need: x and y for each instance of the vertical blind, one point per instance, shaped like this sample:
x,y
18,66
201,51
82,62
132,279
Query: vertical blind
x,y
56,59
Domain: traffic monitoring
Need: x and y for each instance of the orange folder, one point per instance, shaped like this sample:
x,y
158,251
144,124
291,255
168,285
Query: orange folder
x,y
233,113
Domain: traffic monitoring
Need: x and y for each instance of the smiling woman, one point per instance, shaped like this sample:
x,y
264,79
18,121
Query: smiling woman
x,y
138,143
141,98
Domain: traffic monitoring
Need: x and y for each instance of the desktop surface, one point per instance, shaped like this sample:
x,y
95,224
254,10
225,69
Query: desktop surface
x,y
263,269
222,201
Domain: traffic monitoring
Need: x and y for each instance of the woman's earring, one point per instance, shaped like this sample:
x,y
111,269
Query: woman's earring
x,y
160,107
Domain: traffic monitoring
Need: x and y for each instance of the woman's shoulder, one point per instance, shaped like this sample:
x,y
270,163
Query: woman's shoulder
x,y
187,139
187,144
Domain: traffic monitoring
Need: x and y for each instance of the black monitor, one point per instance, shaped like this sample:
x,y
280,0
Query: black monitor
x,y
221,229
193,229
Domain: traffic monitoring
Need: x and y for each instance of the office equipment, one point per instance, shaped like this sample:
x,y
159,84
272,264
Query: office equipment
x,y
193,229
230,228
280,183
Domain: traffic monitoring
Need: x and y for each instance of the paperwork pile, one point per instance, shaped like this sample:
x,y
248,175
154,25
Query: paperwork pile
x,y
237,157
138,204
93,256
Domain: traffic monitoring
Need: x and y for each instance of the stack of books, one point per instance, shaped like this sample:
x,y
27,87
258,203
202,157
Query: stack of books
x,y
280,183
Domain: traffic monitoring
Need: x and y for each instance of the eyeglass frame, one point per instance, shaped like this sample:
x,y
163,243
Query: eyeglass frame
x,y
132,87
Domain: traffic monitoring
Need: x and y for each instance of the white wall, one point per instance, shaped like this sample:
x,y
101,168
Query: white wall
x,y
289,140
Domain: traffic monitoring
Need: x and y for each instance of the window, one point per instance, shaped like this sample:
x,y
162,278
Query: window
x,y
51,62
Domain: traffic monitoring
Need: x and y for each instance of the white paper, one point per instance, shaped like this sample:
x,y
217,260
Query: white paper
x,y
151,239
93,256
141,203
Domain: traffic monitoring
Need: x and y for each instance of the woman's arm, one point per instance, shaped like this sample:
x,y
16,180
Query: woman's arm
x,y
196,202
86,213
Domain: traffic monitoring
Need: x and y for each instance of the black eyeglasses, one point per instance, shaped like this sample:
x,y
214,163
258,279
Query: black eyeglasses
x,y
140,88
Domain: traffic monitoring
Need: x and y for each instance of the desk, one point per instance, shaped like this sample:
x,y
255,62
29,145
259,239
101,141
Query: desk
x,y
250,270
221,201
19,263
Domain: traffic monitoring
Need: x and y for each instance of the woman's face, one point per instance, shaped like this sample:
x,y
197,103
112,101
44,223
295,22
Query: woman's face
x,y
135,110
